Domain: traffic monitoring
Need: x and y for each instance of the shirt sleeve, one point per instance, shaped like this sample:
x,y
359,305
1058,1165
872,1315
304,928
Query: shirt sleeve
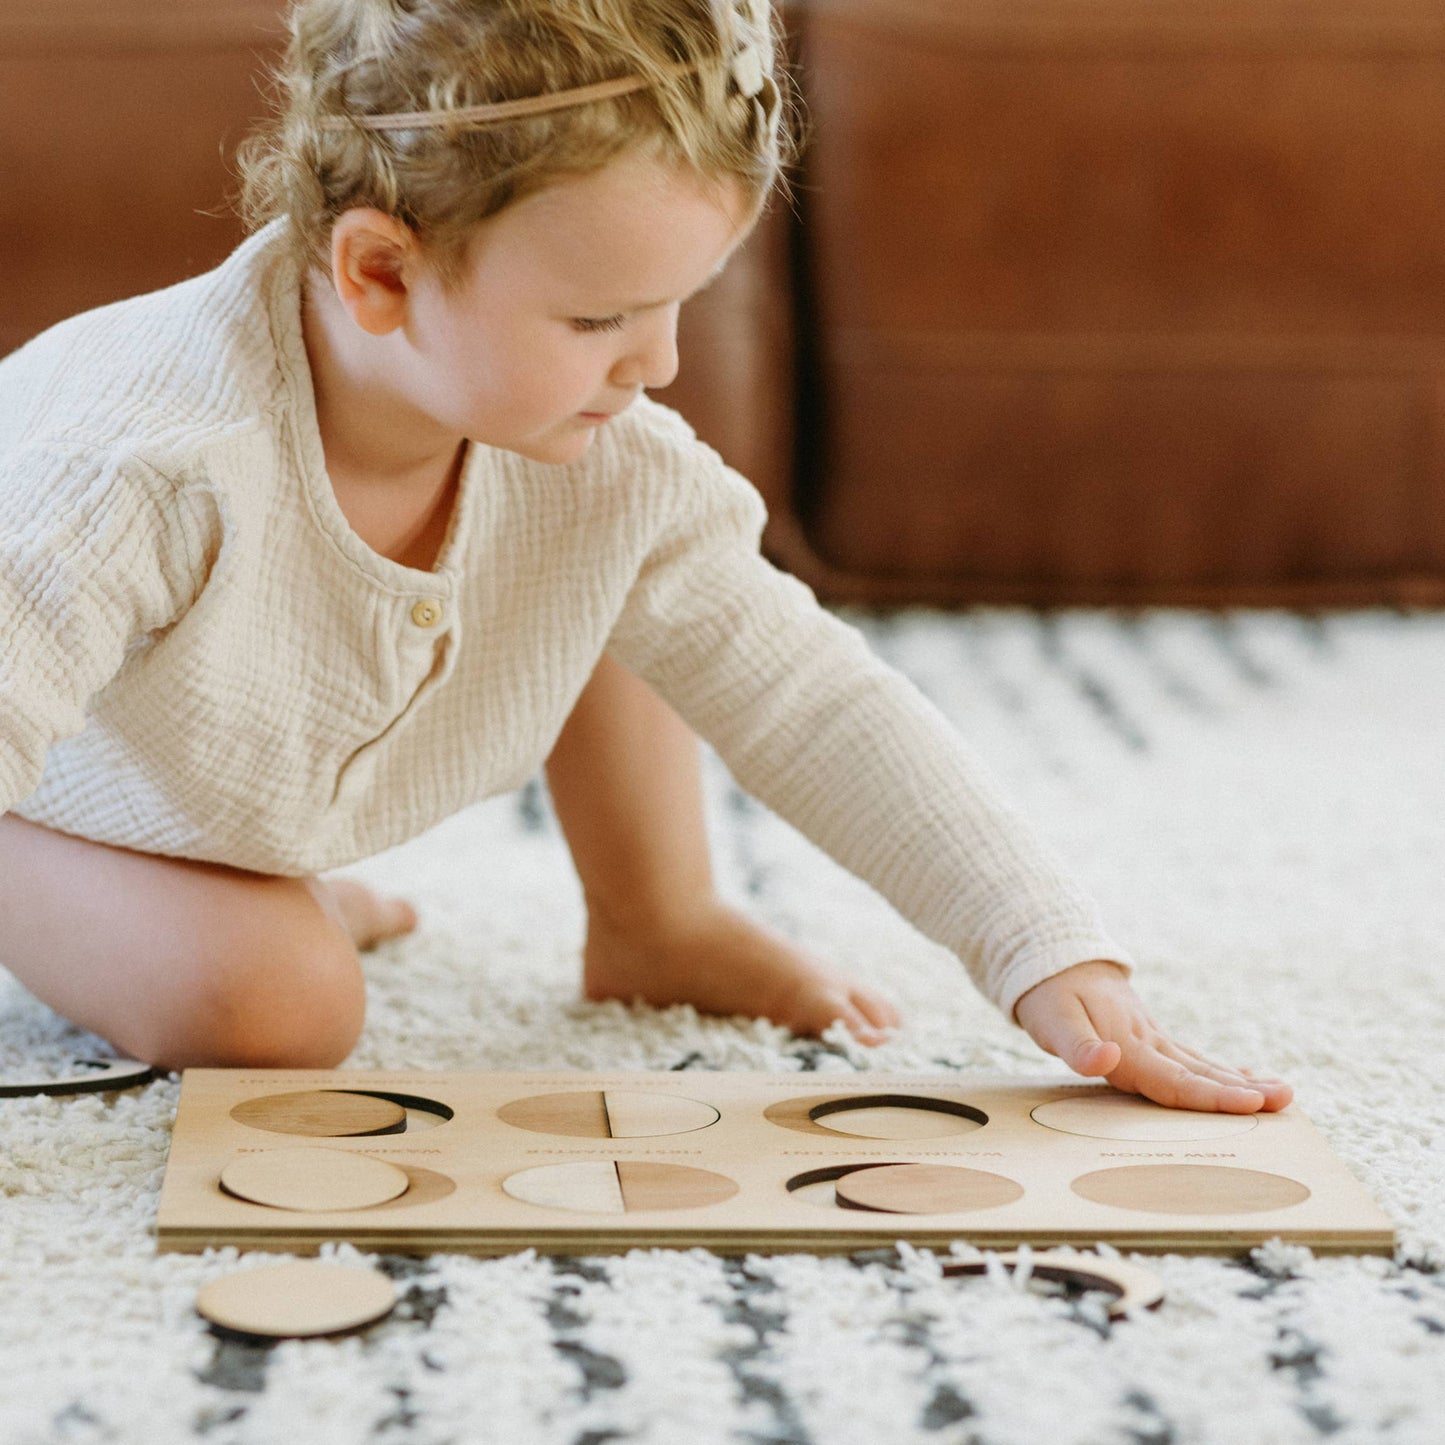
x,y
97,553
846,749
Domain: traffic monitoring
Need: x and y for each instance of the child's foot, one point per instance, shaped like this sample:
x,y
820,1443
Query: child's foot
x,y
723,963
369,918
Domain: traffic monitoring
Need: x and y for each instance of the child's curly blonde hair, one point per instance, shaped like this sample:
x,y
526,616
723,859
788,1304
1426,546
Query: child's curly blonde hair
x,y
360,58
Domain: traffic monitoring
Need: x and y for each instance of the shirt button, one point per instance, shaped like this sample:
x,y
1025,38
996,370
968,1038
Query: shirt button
x,y
426,612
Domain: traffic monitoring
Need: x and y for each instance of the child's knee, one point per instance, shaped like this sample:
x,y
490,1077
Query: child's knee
x,y
297,1007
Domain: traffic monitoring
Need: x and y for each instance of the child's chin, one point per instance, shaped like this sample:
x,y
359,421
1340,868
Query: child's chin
x,y
558,449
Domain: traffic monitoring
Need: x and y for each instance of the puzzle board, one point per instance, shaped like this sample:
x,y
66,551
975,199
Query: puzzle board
x,y
580,1162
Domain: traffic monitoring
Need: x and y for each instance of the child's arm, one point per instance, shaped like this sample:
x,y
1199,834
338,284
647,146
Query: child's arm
x,y
1091,1018
96,551
849,752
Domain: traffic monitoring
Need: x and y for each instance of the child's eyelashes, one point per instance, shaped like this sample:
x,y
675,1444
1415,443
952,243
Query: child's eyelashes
x,y
599,323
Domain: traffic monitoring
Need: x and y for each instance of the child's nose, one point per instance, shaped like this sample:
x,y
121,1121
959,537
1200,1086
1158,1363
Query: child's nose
x,y
652,361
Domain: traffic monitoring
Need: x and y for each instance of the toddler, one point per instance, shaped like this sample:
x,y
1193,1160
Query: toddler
x,y
302,555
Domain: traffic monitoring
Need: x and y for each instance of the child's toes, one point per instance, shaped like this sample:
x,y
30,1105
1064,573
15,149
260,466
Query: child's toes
x,y
864,1016
397,917
369,917
879,1013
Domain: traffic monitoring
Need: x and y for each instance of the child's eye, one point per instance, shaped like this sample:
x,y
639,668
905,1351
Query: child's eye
x,y
598,323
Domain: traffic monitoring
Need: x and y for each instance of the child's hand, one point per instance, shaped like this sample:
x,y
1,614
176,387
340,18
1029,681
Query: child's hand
x,y
1092,1019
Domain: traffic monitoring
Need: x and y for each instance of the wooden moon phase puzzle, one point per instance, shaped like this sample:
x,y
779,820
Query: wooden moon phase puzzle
x,y
489,1163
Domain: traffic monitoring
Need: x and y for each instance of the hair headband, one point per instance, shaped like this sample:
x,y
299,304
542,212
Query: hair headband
x,y
749,68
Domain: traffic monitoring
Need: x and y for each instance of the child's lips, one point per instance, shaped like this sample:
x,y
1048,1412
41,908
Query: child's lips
x,y
601,416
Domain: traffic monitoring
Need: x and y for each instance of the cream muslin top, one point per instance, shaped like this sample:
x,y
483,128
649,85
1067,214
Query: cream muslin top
x,y
200,658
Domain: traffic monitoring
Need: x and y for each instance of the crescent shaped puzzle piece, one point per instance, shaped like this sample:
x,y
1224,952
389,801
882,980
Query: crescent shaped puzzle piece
x,y
1129,1286
88,1076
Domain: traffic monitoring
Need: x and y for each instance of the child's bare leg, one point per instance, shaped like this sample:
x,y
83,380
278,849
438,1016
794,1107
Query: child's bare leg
x,y
182,963
626,780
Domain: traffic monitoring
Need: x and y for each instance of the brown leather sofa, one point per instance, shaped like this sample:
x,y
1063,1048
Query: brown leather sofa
x,y
1106,301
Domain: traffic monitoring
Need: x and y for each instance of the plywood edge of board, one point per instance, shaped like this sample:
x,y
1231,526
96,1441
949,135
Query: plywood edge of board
x,y
791,1242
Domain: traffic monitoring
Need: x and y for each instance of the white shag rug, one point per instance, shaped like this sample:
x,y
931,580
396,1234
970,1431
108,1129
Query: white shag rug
x,y
1259,802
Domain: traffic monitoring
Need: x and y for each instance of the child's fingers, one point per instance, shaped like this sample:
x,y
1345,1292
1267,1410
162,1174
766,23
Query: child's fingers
x,y
1193,1059
1095,1058
1178,1085
1168,1073
1067,1031
1276,1093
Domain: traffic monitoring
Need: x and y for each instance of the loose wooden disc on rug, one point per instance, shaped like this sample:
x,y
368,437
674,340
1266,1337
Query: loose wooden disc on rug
x,y
298,1299
1190,1189
85,1076
1129,1286
322,1114
314,1180
926,1189
1113,1115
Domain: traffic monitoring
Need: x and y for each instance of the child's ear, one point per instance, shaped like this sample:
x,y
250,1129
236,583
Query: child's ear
x,y
373,258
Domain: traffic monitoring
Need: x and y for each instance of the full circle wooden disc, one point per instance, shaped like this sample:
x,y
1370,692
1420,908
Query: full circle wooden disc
x,y
322,1114
297,1299
1113,1115
608,1114
606,1186
314,1180
926,1189
1190,1189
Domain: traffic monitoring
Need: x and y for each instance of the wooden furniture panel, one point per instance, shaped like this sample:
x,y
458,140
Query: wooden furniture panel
x,y
1126,302
116,124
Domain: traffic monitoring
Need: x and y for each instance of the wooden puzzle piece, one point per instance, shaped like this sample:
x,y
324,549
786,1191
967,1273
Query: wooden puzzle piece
x,y
1129,1286
296,1300
322,1114
895,1116
617,1186
313,1180
85,1076
926,1189
607,1114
